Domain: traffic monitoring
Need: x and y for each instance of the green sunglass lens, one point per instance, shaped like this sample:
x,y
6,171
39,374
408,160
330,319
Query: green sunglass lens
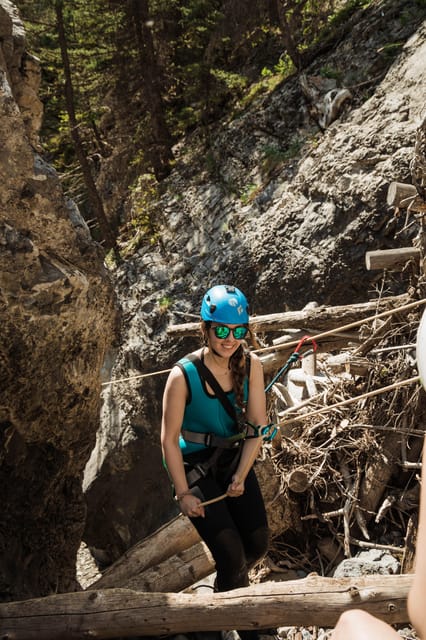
x,y
222,332
239,332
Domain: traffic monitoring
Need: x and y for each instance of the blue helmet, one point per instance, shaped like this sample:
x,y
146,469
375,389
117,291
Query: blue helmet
x,y
226,304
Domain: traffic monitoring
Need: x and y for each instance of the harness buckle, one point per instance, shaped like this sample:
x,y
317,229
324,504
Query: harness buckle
x,y
208,439
201,470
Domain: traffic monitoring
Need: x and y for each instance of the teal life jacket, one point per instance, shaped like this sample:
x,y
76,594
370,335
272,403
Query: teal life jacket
x,y
204,412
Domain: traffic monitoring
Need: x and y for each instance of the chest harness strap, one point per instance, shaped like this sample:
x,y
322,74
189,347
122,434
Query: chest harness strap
x,y
210,439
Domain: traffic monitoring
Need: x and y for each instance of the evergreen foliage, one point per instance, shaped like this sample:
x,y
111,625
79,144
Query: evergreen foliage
x,y
145,72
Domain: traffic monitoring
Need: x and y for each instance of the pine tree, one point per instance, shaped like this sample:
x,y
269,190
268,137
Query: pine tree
x,y
92,191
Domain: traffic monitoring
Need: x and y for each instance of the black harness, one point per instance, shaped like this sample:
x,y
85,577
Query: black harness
x,y
196,470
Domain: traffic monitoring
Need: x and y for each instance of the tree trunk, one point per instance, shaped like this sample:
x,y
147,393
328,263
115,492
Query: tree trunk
x,y
92,191
170,559
161,143
290,18
120,612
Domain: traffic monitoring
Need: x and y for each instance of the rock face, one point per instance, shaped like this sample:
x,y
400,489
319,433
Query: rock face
x,y
268,201
57,319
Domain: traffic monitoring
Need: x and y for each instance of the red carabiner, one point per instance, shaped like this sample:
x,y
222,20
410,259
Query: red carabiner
x,y
304,339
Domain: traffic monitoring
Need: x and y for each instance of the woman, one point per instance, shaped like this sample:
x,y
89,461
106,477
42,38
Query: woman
x,y
213,408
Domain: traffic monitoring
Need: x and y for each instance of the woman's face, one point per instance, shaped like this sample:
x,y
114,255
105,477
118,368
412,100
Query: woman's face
x,y
227,346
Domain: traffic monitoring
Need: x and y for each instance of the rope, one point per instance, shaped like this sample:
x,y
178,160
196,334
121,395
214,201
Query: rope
x,y
289,345
357,323
140,375
343,403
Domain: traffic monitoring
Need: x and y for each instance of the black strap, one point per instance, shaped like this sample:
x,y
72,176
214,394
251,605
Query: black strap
x,y
206,375
212,440
196,470
199,470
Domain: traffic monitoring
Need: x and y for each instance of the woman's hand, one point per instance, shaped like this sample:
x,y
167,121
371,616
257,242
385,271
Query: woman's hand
x,y
190,506
236,488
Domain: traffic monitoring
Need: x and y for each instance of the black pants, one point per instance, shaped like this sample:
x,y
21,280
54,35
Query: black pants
x,y
234,529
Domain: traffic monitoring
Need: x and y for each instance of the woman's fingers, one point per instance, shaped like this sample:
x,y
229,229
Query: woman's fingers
x,y
235,489
191,507
197,512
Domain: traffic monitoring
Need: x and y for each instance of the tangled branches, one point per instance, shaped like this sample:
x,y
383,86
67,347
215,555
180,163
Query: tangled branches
x,y
350,473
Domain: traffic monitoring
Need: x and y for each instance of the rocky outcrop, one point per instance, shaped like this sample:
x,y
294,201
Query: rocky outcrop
x,y
57,319
267,200
20,71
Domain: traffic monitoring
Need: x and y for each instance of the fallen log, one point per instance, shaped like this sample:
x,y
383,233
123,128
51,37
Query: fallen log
x,y
391,259
120,612
357,366
357,323
176,573
404,196
321,318
170,539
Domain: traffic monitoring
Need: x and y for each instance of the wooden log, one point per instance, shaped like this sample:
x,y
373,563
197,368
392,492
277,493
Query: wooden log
x,y
346,362
321,318
116,613
176,573
378,472
298,480
170,539
403,195
309,364
391,259
408,558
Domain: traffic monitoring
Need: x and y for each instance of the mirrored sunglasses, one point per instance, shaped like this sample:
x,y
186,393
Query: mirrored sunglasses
x,y
222,332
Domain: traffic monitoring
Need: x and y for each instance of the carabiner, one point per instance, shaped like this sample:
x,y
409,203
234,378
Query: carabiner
x,y
302,341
